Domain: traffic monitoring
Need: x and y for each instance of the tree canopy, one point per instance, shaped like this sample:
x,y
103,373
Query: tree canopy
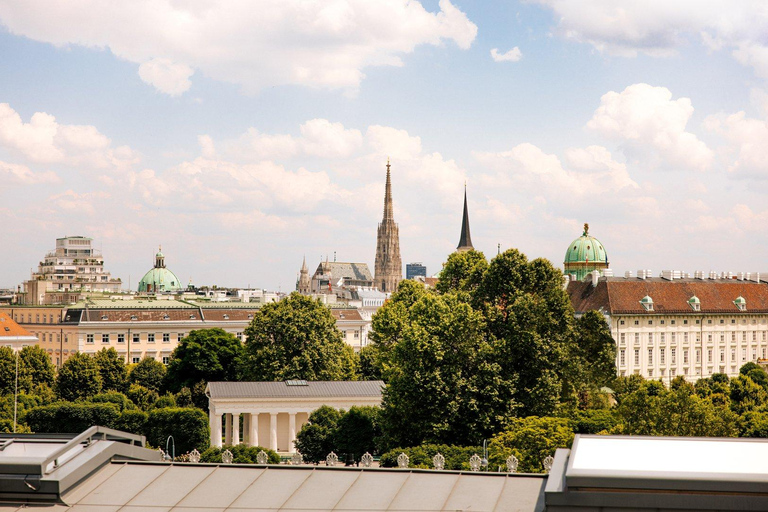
x,y
148,373
204,355
79,377
114,374
296,338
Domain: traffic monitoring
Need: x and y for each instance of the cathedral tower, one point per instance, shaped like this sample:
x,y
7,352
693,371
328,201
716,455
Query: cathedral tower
x,y
388,270
303,284
465,240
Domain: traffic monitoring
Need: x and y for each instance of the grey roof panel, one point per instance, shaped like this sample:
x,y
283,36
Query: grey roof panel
x,y
522,493
373,491
124,485
475,492
271,489
221,488
424,491
322,490
171,487
313,389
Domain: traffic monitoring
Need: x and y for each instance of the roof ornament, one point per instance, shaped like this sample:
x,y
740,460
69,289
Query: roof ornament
x,y
586,229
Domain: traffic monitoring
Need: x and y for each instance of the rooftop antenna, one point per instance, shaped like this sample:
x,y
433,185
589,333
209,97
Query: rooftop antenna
x,y
498,249
334,256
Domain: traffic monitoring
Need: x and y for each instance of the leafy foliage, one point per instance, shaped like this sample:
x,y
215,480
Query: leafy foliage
x,y
456,457
317,437
241,454
114,375
189,428
531,440
204,355
122,402
143,398
37,364
149,373
358,431
296,338
133,421
463,271
79,377
71,417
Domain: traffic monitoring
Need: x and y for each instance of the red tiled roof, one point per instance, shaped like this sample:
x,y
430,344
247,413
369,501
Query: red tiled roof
x,y
615,295
8,327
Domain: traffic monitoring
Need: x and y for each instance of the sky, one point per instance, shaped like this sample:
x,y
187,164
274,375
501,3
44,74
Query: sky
x,y
243,136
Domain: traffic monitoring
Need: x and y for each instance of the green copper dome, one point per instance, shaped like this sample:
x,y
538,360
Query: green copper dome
x,y
159,279
584,255
586,248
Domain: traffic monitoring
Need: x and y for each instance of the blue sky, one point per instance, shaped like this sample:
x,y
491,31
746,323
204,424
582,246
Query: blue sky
x,y
244,136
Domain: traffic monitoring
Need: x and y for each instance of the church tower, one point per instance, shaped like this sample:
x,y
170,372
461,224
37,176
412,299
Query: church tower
x,y
388,270
465,240
302,286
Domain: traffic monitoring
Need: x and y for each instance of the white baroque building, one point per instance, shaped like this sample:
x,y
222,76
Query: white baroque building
x,y
677,325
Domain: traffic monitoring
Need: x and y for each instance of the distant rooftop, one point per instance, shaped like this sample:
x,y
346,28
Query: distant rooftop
x,y
313,389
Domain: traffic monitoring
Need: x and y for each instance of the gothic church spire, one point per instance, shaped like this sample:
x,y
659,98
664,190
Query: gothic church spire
x,y
388,270
465,240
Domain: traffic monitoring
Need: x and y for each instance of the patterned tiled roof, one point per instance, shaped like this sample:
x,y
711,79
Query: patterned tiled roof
x,y
313,389
341,270
615,295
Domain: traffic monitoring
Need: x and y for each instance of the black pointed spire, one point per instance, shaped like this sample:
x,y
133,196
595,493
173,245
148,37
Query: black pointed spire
x,y
465,241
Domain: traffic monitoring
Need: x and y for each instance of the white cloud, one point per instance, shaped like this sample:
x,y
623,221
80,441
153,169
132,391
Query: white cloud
x,y
512,55
660,27
393,142
329,140
748,151
22,175
76,203
253,145
43,140
646,118
253,44
166,76
591,171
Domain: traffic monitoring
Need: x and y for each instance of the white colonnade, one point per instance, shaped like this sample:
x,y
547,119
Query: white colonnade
x,y
260,428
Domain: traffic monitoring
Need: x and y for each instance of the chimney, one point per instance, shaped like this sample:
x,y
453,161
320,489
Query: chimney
x,y
641,274
667,274
595,277
607,272
628,274
740,276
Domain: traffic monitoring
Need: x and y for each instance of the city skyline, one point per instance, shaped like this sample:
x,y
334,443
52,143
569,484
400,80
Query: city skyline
x,y
242,145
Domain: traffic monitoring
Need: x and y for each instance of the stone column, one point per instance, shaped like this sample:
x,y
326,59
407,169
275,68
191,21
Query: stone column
x,y
227,428
273,431
291,431
253,438
246,429
235,429
215,422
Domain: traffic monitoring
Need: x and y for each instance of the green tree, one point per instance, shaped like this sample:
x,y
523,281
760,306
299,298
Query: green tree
x,y
357,431
38,365
531,440
122,402
594,350
148,373
296,338
204,355
531,318
8,372
189,428
143,398
445,384
78,377
317,437
71,418
133,421
114,374
462,272
241,454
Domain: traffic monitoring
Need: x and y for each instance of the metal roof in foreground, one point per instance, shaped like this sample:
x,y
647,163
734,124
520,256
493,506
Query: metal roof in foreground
x,y
296,389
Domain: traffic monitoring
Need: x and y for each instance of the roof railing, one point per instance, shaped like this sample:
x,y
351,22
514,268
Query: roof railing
x,y
103,433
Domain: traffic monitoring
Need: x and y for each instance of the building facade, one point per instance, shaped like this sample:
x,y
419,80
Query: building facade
x,y
388,269
672,326
412,270
69,272
146,327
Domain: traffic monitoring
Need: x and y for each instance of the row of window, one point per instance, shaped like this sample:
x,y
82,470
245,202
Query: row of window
x,y
662,354
745,336
698,321
47,319
136,338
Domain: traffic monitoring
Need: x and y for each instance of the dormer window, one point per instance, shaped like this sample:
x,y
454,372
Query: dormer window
x,y
166,317
647,303
741,303
191,317
104,317
134,317
695,303
226,317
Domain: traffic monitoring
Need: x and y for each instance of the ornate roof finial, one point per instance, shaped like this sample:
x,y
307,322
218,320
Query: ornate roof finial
x,y
387,163
586,229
